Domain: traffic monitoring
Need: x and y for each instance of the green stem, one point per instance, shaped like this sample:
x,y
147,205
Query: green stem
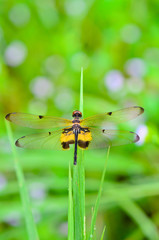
x,y
29,221
81,92
96,207
79,185
102,237
70,208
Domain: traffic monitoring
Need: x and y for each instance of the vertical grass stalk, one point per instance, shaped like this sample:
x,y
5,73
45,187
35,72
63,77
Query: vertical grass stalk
x,y
29,221
70,207
79,185
102,237
81,165
96,207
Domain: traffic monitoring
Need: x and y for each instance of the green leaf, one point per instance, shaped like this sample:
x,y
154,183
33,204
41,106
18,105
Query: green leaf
x,y
96,207
29,221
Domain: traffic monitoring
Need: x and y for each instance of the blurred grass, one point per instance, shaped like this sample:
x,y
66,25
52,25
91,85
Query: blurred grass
x,y
89,35
27,211
102,237
147,226
96,207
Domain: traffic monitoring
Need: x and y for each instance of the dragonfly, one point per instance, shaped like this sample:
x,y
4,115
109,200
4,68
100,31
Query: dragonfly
x,y
85,133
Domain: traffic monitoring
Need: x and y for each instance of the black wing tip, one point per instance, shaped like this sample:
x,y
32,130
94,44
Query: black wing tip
x,y
17,142
141,109
136,137
8,116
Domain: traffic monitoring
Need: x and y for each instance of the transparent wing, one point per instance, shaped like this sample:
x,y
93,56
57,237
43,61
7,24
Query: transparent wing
x,y
37,121
119,116
49,140
102,138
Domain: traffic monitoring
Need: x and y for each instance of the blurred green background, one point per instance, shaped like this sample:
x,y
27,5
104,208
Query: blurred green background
x,y
43,45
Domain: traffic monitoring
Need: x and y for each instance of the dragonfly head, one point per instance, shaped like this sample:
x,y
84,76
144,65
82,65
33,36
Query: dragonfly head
x,y
76,114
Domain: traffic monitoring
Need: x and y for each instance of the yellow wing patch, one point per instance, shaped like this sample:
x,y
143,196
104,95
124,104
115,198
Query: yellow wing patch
x,y
84,138
67,138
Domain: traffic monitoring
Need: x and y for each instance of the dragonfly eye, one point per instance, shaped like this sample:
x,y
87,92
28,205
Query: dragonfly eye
x,y
77,114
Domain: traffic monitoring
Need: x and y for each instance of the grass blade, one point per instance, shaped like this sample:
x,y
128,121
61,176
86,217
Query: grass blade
x,y
79,185
29,221
70,208
102,237
81,174
146,225
77,204
81,165
81,92
96,207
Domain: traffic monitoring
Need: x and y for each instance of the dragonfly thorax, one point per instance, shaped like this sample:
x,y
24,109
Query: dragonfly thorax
x,y
76,128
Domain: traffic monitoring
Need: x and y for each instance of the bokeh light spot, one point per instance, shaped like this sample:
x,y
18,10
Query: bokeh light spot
x,y
135,67
54,65
47,12
75,7
114,80
37,191
64,100
3,182
142,131
152,55
37,107
19,14
63,228
13,218
79,60
135,85
15,53
130,33
41,87
36,215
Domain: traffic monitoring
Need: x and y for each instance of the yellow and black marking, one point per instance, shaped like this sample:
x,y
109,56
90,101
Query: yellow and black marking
x,y
84,138
67,138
